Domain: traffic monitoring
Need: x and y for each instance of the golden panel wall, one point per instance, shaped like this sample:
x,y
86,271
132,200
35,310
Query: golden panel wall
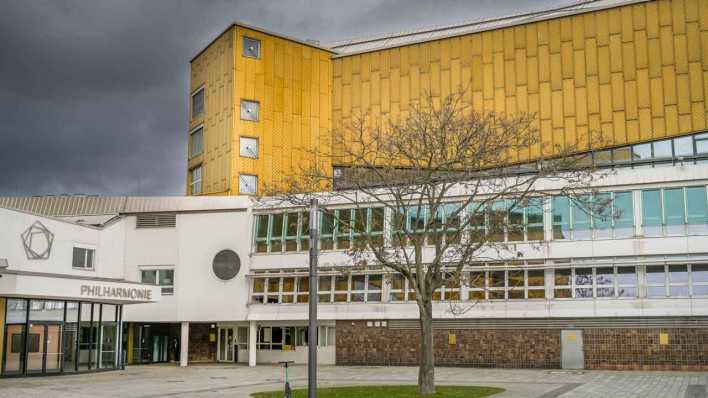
x,y
214,70
292,83
633,73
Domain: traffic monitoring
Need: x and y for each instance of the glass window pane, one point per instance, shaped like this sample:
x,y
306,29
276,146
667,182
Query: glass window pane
x,y
583,276
624,291
476,280
262,226
534,219
167,277
674,206
375,282
496,279
581,218
516,279
198,103
341,283
603,157
662,149
627,275
562,277
622,155
697,209
701,143
678,291
536,277
605,276
288,285
623,214
325,284
602,211
699,273
683,146
655,274
656,291
148,277
561,217
277,227
358,283
641,152
651,212
291,225
678,274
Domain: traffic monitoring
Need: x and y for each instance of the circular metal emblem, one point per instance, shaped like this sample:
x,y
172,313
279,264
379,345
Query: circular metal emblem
x,y
226,264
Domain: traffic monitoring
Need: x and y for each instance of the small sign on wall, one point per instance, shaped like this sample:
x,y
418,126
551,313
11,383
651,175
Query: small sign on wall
x,y
663,339
452,339
212,337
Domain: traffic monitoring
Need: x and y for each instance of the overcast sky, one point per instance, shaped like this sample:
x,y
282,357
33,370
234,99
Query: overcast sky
x,y
93,93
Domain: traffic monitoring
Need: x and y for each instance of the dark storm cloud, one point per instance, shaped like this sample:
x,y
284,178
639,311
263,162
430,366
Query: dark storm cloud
x,y
93,93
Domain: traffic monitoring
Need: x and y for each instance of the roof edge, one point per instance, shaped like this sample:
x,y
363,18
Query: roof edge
x,y
265,31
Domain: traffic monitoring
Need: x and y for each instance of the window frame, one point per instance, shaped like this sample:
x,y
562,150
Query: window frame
x,y
86,250
240,184
196,182
243,50
165,290
257,104
199,128
241,139
191,102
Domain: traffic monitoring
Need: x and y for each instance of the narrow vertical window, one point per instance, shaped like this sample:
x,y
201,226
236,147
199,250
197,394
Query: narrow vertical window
x,y
561,217
198,103
651,212
196,142
674,211
697,210
276,233
623,214
196,180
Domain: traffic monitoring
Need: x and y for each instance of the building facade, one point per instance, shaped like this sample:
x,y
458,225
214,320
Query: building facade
x,y
627,71
224,278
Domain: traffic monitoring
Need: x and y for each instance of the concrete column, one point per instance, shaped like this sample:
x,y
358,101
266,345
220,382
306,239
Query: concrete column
x,y
184,345
252,334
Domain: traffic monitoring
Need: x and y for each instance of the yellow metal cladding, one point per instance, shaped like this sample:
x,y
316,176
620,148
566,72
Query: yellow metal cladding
x,y
213,69
292,83
631,73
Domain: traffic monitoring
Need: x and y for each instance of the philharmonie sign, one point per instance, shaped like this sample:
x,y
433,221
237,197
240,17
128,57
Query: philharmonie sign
x,y
116,292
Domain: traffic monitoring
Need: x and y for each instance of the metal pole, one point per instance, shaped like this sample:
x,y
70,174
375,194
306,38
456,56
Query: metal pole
x,y
312,331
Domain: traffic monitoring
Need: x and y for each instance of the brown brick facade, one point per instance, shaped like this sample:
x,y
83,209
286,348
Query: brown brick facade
x,y
358,344
201,348
687,349
604,348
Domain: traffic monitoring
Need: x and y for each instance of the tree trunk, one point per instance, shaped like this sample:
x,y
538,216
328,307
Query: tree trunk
x,y
426,370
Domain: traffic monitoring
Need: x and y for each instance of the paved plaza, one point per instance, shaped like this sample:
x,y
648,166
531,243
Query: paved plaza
x,y
220,380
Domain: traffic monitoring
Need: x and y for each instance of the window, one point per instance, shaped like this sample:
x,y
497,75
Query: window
x,y
250,110
251,47
247,184
507,220
595,282
400,289
83,258
196,142
699,279
195,184
324,289
674,211
165,278
601,216
198,103
248,147
289,231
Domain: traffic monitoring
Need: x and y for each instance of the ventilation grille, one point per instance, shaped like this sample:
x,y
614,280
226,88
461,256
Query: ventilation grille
x,y
156,221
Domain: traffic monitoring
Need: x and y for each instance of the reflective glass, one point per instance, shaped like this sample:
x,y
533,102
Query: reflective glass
x,y
622,155
662,149
678,274
683,146
561,217
581,218
697,209
651,212
623,214
699,273
536,277
641,152
655,274
627,275
701,143
674,210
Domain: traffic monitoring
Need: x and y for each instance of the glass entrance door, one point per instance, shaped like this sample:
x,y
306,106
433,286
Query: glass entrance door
x,y
227,349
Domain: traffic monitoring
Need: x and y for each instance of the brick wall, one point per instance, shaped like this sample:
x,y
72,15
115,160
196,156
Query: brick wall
x,y
201,349
608,348
687,349
358,344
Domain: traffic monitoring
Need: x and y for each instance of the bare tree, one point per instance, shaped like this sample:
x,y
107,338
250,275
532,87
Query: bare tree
x,y
448,180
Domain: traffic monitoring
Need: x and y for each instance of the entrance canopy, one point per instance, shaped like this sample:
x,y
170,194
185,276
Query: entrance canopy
x,y
70,287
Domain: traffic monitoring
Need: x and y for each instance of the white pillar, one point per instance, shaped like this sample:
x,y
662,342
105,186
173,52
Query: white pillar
x,y
184,345
252,334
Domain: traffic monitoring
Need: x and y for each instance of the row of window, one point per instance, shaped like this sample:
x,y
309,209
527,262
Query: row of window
x,y
248,146
664,211
278,338
331,289
511,284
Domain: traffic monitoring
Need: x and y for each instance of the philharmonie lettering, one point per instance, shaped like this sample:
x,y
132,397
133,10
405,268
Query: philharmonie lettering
x,y
116,292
